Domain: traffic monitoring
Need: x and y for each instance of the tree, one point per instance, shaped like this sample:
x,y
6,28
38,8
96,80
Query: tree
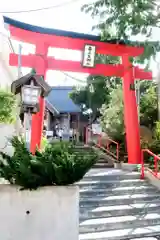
x,y
121,20
101,88
112,115
145,86
148,107
94,99
7,106
112,119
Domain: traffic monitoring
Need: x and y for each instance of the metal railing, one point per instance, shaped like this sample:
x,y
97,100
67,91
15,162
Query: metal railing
x,y
156,159
102,142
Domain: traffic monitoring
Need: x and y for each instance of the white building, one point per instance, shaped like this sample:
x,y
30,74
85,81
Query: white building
x,y
7,75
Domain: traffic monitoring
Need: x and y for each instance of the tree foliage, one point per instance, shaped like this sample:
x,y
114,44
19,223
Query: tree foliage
x,y
92,100
120,21
112,119
125,19
148,107
112,115
7,106
101,87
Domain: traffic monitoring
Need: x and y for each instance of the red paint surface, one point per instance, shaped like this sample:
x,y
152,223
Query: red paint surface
x,y
42,63
71,66
131,115
38,119
74,44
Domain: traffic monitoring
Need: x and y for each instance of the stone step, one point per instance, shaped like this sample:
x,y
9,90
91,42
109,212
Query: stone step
x,y
85,153
103,160
85,193
111,183
106,176
101,224
147,238
103,165
107,171
123,234
119,210
118,205
118,199
113,171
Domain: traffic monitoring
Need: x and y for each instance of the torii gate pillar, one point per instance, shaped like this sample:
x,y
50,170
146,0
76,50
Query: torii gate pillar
x,y
38,119
131,114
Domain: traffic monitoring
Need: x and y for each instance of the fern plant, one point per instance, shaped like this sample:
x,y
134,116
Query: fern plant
x,y
59,164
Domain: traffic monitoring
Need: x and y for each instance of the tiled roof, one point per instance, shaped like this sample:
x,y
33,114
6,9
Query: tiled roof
x,y
60,101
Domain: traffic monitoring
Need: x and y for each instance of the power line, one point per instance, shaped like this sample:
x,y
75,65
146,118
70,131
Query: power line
x,y
80,80
91,81
41,9
74,78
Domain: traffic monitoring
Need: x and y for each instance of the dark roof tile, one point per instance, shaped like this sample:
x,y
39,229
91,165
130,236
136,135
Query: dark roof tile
x,y
60,100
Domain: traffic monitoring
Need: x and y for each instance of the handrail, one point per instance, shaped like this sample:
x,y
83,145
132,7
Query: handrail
x,y
108,142
156,159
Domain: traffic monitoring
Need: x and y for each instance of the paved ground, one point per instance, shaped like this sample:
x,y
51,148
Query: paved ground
x,y
147,238
117,205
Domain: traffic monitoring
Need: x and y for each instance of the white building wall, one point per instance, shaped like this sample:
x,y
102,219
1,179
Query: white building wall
x,y
7,75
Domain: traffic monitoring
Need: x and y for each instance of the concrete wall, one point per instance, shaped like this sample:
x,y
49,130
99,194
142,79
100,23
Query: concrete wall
x,y
53,213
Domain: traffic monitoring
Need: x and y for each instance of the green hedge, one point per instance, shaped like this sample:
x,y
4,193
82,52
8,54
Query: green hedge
x,y
59,164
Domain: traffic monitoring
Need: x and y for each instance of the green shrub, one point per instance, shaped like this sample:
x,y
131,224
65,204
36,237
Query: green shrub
x,y
157,131
59,164
7,106
154,147
44,143
145,144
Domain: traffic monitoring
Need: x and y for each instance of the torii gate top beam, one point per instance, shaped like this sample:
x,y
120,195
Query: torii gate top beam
x,y
69,40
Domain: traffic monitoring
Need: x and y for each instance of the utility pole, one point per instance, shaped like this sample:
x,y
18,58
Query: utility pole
x,y
27,125
17,123
91,91
137,84
19,60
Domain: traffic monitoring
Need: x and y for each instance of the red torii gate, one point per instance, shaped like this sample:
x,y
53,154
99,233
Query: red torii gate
x,y
43,38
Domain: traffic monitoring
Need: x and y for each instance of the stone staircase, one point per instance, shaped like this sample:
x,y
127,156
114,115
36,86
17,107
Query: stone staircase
x,y
116,205
104,161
